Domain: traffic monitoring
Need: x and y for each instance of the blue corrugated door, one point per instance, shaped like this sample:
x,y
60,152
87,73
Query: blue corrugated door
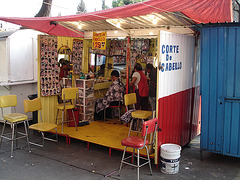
x,y
220,89
232,91
212,89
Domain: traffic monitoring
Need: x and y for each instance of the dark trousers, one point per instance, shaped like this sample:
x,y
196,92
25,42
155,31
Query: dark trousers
x,y
142,102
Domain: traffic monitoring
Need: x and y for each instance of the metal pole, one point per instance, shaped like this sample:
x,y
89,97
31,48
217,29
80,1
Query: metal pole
x,y
128,64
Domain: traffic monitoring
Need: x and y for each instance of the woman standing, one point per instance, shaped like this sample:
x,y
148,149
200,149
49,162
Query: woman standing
x,y
139,80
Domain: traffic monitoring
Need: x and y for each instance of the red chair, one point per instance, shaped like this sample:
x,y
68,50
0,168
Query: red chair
x,y
139,143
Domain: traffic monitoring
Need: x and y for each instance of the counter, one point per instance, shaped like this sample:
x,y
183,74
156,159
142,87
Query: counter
x,y
101,89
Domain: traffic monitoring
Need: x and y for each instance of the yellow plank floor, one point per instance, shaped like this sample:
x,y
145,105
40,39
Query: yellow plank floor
x,y
105,133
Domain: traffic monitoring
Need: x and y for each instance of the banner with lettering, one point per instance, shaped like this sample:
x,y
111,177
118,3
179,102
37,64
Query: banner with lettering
x,y
177,63
99,40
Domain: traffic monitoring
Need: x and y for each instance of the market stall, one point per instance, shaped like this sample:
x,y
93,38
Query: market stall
x,y
141,32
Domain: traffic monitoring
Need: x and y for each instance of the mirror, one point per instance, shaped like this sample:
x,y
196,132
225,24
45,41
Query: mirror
x,y
64,55
96,60
64,52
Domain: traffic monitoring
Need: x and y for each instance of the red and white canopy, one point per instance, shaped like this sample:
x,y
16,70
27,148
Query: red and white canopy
x,y
134,16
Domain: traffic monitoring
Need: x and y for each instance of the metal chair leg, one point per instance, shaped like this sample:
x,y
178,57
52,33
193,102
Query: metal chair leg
x,y
16,136
149,161
138,162
43,138
26,132
13,130
130,128
122,161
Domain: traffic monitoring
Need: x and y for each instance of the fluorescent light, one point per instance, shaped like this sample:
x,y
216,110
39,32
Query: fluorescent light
x,y
79,26
151,16
118,25
154,21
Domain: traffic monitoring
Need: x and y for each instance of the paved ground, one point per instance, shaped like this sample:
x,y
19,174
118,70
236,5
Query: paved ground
x,y
59,161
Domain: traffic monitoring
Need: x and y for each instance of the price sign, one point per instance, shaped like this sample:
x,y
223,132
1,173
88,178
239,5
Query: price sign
x,y
99,40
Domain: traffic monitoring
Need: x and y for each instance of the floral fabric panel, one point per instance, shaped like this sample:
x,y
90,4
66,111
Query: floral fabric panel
x,y
49,75
77,56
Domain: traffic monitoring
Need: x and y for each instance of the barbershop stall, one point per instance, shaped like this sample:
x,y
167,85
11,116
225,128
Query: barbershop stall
x,y
85,74
92,45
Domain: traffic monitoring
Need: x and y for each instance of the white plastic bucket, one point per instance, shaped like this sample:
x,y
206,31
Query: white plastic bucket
x,y
170,156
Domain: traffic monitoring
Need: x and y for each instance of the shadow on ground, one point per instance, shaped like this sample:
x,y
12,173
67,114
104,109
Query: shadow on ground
x,y
74,161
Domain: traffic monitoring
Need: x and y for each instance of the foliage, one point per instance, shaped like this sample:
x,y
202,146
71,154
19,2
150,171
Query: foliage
x,y
104,6
81,8
117,3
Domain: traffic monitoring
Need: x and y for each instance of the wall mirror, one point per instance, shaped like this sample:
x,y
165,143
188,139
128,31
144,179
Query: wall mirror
x,y
64,52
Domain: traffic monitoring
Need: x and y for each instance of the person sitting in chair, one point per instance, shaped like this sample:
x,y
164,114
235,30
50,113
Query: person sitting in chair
x,y
115,93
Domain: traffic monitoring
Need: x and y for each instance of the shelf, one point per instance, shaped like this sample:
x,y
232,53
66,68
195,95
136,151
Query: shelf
x,y
16,83
87,99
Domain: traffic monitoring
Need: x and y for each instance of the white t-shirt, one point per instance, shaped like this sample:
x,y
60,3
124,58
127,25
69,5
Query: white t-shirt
x,y
138,76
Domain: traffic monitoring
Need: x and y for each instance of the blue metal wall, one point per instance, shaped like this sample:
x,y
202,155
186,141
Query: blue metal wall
x,y
220,89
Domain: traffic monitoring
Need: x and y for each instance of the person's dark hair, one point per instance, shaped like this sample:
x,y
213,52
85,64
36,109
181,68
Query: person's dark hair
x,y
115,73
102,66
138,67
61,60
149,66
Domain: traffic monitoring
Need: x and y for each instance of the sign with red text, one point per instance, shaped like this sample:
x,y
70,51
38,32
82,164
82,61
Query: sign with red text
x,y
99,40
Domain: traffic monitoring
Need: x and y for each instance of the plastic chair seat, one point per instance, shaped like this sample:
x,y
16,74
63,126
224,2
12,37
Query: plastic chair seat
x,y
141,114
67,106
134,142
43,126
15,117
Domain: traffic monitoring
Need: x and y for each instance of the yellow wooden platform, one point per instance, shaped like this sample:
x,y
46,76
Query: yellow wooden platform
x,y
104,133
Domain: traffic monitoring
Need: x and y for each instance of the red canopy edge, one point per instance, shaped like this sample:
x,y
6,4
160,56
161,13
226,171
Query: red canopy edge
x,y
200,11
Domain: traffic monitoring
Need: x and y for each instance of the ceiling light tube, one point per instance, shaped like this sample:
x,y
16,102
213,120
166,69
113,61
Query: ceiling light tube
x,y
118,24
79,26
155,21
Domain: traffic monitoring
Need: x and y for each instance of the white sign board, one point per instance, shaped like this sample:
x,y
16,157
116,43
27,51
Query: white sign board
x,y
177,61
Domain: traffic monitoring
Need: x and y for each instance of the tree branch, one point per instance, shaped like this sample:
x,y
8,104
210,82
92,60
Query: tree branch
x,y
45,9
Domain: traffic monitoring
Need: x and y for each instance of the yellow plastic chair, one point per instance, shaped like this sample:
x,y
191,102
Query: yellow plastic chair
x,y
131,99
68,94
35,105
13,119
